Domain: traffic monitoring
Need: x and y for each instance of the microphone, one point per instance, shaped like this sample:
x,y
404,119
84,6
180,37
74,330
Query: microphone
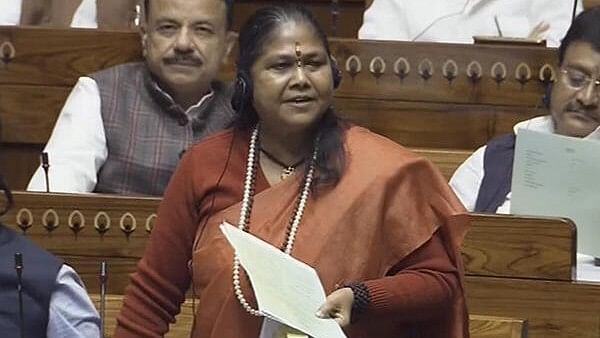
x,y
19,269
103,280
46,166
575,2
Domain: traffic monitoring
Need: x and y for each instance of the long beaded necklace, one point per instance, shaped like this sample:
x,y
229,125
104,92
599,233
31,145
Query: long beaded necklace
x,y
246,208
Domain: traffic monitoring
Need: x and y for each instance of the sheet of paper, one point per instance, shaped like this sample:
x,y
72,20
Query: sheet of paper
x,y
286,289
555,175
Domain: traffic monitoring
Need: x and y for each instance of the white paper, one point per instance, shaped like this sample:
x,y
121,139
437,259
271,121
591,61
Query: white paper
x,y
555,175
286,289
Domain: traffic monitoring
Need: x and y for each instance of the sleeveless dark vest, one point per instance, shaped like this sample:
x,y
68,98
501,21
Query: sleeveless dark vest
x,y
146,132
497,165
39,281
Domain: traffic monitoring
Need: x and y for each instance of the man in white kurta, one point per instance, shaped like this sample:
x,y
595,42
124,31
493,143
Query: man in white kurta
x,y
457,21
84,17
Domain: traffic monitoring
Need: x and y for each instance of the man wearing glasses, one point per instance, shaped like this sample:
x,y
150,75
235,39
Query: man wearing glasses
x,y
483,181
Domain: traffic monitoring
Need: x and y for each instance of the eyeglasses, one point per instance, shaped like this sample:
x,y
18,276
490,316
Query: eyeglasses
x,y
578,80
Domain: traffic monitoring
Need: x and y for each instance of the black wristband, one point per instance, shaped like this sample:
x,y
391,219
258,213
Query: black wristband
x,y
361,299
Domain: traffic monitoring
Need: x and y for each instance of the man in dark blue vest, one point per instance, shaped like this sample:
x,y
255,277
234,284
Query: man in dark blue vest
x,y
55,303
483,181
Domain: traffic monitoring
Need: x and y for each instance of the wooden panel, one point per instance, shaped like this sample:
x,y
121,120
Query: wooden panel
x,y
524,247
58,57
28,113
517,60
591,3
479,326
496,245
552,309
434,125
18,162
113,303
446,160
496,327
86,248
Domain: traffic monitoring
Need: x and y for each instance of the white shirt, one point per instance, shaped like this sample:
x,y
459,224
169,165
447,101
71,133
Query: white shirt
x,y
10,12
72,313
457,21
467,178
84,17
466,182
77,146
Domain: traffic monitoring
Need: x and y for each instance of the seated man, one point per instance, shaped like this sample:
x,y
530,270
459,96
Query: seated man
x,y
483,181
123,129
458,21
55,303
105,14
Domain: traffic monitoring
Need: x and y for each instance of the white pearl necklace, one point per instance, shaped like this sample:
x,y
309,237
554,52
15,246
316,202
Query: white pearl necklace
x,y
246,208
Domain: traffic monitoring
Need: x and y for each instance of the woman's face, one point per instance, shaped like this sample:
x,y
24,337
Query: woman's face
x,y
292,78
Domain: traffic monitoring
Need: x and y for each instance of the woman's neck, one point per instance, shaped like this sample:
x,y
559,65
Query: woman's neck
x,y
289,147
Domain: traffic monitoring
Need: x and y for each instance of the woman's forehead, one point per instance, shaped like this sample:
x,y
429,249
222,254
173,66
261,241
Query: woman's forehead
x,y
290,36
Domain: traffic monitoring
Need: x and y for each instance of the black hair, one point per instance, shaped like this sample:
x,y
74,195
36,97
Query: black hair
x,y
7,194
585,28
228,6
256,31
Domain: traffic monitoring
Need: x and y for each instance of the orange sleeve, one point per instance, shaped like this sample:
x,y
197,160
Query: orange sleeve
x,y
157,289
422,286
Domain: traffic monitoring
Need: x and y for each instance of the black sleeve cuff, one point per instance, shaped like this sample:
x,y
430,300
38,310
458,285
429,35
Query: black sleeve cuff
x,y
361,299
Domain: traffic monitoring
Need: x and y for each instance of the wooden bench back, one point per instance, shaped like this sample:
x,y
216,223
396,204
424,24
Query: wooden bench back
x,y
115,229
398,89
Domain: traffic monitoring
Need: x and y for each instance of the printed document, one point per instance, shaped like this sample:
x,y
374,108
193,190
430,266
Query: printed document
x,y
287,290
555,175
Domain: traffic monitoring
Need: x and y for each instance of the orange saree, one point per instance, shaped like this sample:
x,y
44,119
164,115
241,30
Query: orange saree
x,y
384,223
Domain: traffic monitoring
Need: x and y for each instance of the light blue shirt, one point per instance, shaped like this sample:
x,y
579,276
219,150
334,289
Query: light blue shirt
x,y
72,313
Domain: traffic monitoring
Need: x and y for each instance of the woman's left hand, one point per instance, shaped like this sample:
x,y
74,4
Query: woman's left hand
x,y
338,306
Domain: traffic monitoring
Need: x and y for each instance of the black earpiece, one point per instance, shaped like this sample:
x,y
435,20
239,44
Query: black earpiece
x,y
336,73
242,92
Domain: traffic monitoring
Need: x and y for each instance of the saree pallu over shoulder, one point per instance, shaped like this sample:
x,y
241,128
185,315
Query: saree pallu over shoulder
x,y
388,203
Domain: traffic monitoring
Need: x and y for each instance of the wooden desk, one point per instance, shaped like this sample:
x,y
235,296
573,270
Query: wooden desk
x,y
516,267
481,326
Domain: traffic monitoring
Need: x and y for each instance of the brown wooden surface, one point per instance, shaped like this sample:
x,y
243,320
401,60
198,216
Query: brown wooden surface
x,y
447,160
181,329
481,326
553,309
523,247
591,3
492,248
496,327
18,162
496,245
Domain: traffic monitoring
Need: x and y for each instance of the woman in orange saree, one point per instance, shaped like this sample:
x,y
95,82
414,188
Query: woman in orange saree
x,y
373,219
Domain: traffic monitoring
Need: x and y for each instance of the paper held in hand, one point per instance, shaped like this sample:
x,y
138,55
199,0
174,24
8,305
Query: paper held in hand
x,y
556,175
287,290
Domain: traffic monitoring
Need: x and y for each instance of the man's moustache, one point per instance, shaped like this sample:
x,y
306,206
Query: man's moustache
x,y
183,60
